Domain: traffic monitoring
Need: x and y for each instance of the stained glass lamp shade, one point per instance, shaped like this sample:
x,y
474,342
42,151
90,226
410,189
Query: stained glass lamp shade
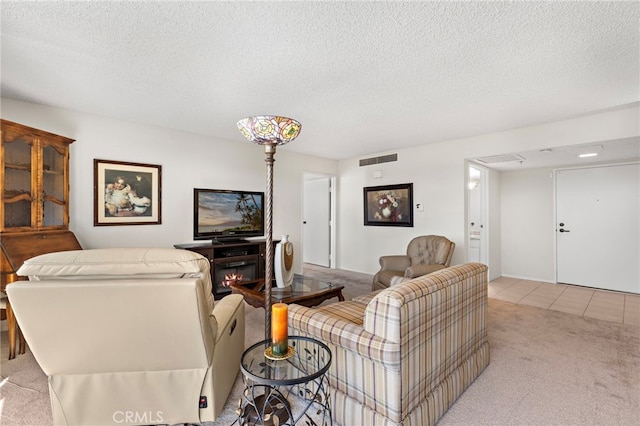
x,y
269,129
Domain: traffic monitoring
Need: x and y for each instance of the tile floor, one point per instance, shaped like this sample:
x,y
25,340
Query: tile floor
x,y
588,302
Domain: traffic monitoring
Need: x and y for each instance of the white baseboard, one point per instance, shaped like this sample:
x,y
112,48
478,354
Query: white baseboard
x,y
528,279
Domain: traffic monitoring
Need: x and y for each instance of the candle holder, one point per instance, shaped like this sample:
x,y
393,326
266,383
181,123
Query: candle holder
x,y
276,357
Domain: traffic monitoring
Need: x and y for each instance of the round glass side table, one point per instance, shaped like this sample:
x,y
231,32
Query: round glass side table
x,y
283,391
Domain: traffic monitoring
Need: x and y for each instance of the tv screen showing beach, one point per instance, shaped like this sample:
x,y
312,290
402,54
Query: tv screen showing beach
x,y
229,212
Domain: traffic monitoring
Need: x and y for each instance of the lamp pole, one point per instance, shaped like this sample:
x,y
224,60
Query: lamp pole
x,y
270,151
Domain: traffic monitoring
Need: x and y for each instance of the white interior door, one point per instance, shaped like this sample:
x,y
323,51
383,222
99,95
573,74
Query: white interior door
x,y
598,227
317,222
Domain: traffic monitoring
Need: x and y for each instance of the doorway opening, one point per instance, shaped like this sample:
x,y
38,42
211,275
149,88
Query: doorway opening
x,y
477,215
318,213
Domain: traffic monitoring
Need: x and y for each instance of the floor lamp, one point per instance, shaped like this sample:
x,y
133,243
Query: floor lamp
x,y
269,131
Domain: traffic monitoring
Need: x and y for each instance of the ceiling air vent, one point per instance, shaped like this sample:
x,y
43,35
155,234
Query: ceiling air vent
x,y
501,158
377,160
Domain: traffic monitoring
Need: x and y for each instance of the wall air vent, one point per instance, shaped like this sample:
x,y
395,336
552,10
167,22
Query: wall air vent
x,y
500,158
378,160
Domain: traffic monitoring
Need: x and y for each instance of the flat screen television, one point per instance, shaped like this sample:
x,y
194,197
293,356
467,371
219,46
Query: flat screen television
x,y
224,216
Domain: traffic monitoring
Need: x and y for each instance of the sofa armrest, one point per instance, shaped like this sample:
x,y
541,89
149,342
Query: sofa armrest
x,y
394,262
419,270
366,298
344,334
225,311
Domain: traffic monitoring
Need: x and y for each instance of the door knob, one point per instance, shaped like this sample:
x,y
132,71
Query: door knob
x,y
564,230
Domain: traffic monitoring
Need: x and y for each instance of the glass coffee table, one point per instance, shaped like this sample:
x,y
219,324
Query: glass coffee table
x,y
283,391
303,291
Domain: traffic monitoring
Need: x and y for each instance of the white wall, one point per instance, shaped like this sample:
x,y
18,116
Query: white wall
x,y
188,161
495,219
437,172
527,212
438,184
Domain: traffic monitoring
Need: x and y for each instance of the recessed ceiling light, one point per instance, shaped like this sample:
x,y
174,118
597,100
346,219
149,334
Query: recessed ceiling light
x,y
588,150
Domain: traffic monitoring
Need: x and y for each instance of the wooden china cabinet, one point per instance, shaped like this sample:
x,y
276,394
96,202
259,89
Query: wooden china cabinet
x,y
34,200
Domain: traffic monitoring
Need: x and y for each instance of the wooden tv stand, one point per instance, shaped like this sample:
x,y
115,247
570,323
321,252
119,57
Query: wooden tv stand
x,y
245,257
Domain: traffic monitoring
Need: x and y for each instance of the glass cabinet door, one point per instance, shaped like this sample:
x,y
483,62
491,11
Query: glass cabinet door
x,y
34,175
17,194
52,198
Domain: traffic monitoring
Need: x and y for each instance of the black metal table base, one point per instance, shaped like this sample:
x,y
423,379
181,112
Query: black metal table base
x,y
269,408
267,405
283,392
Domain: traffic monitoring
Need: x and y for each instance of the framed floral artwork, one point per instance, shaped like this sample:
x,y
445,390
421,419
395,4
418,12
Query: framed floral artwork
x,y
126,193
390,205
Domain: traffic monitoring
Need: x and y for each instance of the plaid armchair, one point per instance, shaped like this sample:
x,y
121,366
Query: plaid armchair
x,y
403,355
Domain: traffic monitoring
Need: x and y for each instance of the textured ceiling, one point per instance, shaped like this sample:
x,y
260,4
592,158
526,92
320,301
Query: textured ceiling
x,y
362,77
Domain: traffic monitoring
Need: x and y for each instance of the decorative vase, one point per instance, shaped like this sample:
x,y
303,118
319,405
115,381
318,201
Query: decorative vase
x,y
284,262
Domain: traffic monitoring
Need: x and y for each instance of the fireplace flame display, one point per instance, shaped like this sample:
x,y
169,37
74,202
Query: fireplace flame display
x,y
231,279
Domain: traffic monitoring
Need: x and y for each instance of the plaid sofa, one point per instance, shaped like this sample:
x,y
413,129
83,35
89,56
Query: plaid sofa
x,y
403,355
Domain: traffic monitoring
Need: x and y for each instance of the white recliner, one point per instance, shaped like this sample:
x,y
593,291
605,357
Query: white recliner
x,y
130,335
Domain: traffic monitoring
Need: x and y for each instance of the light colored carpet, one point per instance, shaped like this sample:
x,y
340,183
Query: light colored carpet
x,y
547,368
